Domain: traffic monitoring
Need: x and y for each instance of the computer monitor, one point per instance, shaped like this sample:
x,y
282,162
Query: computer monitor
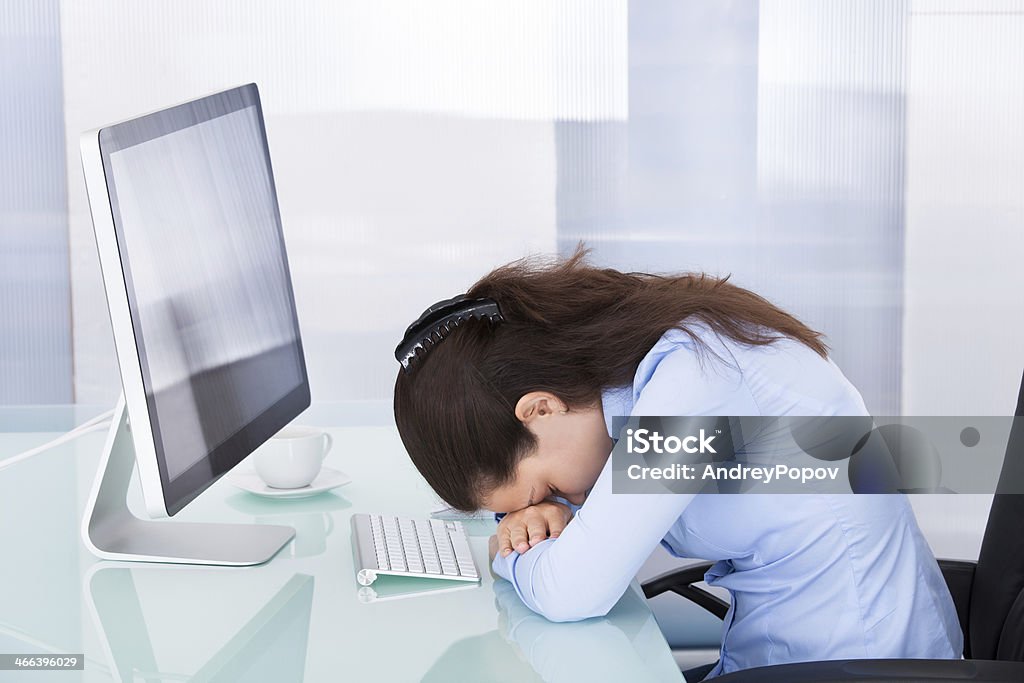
x,y
199,292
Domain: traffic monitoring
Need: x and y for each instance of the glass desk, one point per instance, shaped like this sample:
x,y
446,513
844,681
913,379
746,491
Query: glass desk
x,y
301,616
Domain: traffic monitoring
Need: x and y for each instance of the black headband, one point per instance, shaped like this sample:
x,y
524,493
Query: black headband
x,y
438,320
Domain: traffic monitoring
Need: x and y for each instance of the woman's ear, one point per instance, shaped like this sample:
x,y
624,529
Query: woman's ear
x,y
538,404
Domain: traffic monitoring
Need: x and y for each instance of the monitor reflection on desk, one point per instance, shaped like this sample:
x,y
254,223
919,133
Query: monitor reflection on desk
x,y
271,646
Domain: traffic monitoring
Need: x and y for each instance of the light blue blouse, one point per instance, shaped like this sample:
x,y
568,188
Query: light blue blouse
x,y
812,576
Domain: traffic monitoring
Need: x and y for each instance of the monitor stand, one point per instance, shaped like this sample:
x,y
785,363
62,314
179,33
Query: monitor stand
x,y
112,532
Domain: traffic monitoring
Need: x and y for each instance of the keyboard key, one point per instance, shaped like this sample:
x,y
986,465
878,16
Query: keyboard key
x,y
463,556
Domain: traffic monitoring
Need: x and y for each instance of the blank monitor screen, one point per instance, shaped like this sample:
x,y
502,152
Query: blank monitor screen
x,y
199,232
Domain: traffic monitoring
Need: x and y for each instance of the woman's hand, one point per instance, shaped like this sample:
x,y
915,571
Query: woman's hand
x,y
523,529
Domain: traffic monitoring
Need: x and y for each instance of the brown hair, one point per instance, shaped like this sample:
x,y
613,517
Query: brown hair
x,y
569,328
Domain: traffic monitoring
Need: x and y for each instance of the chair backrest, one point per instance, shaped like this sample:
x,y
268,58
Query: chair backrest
x,y
996,622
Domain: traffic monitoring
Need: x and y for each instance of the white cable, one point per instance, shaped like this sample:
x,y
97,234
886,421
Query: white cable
x,y
92,421
84,428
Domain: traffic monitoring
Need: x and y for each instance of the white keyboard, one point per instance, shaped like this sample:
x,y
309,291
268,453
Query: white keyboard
x,y
402,546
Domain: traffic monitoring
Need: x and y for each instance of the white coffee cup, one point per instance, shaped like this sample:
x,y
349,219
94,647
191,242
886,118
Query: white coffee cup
x,y
293,457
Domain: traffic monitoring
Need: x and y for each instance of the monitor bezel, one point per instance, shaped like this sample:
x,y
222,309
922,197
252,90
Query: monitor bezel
x,y
176,493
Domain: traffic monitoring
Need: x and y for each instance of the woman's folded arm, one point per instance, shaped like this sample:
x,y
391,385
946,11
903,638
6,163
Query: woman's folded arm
x,y
585,571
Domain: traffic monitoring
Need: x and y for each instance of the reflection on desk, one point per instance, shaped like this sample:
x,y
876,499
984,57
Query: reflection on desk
x,y
626,645
311,518
271,645
56,598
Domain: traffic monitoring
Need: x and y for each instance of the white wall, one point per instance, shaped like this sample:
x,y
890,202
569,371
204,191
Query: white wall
x,y
413,146
963,325
35,320
830,178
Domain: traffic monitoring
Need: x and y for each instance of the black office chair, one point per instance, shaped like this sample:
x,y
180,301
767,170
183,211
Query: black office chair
x,y
988,594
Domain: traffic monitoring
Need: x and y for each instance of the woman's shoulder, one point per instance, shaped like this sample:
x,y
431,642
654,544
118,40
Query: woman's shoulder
x,y
679,377
785,377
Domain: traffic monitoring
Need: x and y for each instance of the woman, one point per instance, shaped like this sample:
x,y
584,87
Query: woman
x,y
505,403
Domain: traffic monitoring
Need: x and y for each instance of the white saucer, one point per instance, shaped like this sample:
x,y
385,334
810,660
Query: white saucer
x,y
325,481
